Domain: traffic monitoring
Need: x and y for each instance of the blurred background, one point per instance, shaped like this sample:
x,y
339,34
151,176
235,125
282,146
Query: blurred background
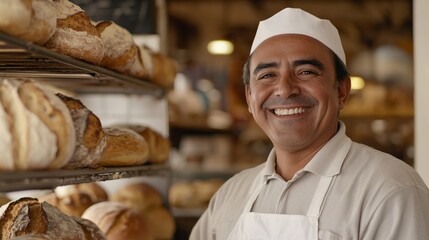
x,y
212,133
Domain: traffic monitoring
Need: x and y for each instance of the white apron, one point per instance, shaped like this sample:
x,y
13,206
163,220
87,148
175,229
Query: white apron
x,y
267,226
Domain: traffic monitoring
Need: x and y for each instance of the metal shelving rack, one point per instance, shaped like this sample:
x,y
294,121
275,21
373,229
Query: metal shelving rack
x,y
20,59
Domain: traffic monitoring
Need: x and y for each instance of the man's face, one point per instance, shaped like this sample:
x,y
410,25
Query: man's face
x,y
293,94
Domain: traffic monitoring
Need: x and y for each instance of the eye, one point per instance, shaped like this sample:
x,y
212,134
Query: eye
x,y
266,76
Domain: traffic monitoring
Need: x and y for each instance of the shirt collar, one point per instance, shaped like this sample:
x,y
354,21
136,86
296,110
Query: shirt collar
x,y
327,162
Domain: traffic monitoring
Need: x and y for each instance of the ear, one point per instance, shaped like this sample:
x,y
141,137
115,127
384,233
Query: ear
x,y
344,92
248,93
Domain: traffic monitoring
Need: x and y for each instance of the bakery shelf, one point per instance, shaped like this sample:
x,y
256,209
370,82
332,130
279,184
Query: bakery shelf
x,y
23,59
49,179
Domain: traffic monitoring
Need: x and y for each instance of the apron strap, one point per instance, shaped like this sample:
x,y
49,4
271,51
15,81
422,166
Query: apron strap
x,y
316,204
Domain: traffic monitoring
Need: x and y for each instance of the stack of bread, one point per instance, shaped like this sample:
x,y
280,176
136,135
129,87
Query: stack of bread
x,y
43,130
64,27
27,218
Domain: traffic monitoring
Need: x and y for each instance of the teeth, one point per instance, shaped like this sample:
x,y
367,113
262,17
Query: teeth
x,y
291,111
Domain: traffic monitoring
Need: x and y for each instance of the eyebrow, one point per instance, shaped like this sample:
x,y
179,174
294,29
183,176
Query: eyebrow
x,y
313,62
296,63
262,66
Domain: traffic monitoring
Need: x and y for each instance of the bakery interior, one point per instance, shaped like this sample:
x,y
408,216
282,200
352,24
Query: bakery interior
x,y
203,113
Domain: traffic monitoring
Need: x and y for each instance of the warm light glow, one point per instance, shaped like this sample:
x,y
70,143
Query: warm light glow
x,y
357,83
220,47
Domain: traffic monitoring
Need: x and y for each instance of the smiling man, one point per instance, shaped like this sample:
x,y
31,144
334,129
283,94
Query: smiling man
x,y
316,183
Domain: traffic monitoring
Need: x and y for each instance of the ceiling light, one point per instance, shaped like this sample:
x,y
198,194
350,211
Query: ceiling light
x,y
220,47
357,82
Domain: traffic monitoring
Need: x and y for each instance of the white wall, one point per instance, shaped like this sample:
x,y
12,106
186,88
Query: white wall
x,y
421,87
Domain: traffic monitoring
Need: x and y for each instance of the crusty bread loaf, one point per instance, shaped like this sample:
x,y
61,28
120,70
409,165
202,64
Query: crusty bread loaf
x,y
55,115
124,147
39,123
140,196
159,146
157,67
75,35
27,216
164,70
15,16
43,22
90,139
118,221
120,50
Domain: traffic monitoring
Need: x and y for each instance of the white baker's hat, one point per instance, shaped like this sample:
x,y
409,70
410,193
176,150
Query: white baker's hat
x,y
297,21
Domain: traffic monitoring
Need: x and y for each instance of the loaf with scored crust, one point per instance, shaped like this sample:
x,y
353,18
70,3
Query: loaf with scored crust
x,y
27,216
39,131
75,35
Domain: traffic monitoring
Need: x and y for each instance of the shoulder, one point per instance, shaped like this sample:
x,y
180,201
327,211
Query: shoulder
x,y
380,169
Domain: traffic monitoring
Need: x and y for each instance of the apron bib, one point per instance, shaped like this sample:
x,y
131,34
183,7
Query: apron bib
x,y
268,226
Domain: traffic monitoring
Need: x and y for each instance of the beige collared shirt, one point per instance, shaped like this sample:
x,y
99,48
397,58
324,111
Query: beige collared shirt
x,y
373,196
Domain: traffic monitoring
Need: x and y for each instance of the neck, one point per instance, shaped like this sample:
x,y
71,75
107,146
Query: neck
x,y
287,166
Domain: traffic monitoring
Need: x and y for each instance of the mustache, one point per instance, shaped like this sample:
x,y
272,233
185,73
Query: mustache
x,y
293,100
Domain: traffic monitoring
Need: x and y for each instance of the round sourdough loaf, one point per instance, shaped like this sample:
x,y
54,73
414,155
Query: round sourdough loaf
x,y
75,35
53,113
159,146
118,222
15,16
120,50
90,138
43,22
38,126
27,216
124,147
157,67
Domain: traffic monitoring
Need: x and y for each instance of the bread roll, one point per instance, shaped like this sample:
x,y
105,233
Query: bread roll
x,y
140,196
124,147
42,137
28,216
159,146
118,221
54,114
90,139
43,22
75,35
15,16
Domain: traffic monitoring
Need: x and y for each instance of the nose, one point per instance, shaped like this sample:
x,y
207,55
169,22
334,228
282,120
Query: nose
x,y
287,86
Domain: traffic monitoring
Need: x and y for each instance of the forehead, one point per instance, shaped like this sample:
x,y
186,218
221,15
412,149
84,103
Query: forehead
x,y
291,46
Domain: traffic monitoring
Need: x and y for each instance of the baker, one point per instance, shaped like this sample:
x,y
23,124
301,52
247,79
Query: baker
x,y
316,183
